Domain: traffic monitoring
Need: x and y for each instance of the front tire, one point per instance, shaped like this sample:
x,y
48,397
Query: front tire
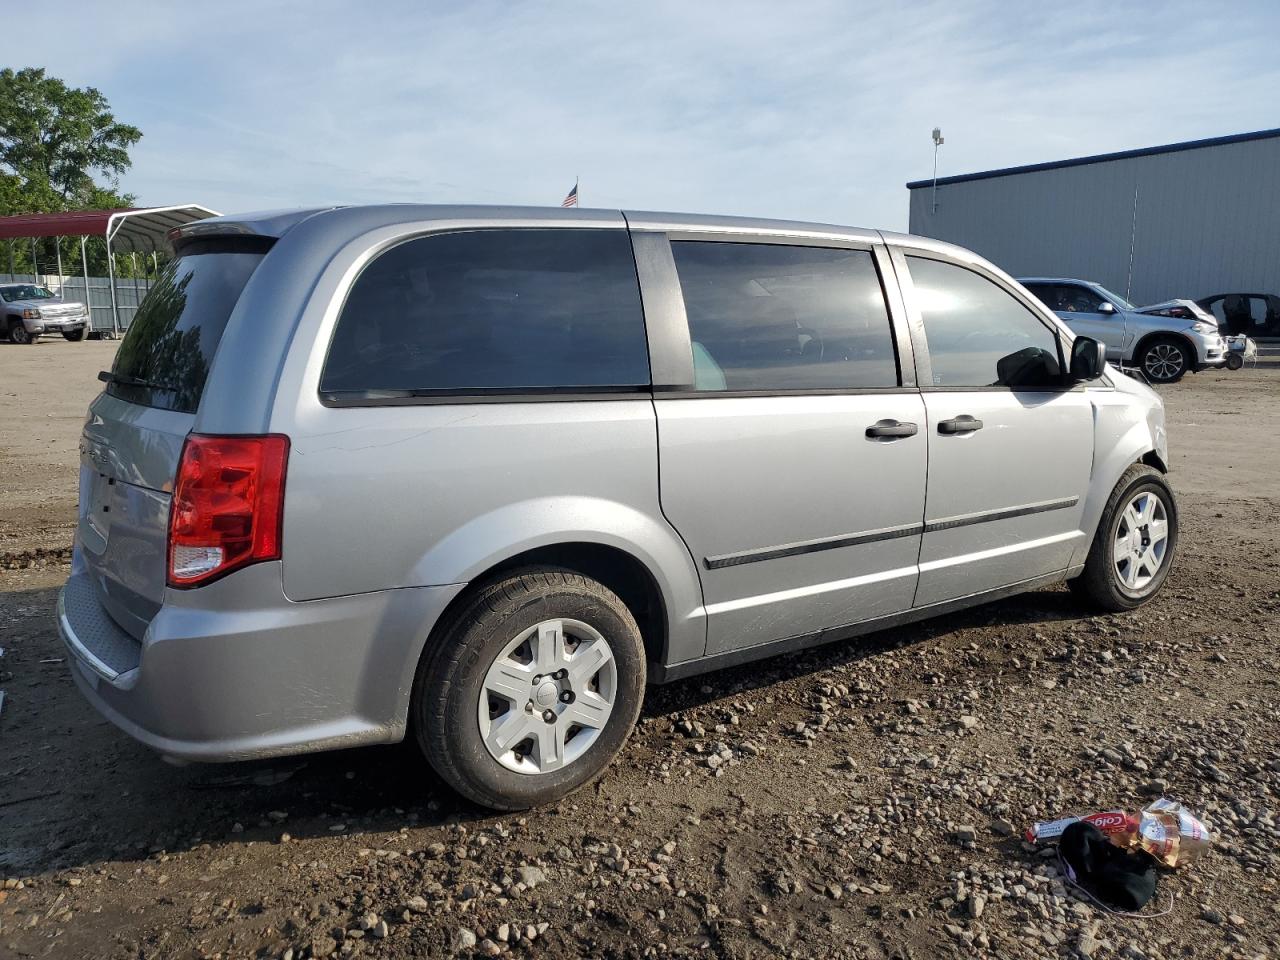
x,y
1134,547
18,333
75,336
1165,360
531,689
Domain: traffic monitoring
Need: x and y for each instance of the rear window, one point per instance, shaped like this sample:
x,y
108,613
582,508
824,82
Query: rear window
x,y
175,333
492,311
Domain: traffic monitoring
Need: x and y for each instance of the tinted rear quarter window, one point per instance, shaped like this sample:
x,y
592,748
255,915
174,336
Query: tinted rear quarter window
x,y
504,310
775,317
175,333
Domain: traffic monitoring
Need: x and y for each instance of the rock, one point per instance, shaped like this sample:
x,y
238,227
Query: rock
x,y
966,833
668,848
530,876
323,946
417,904
463,939
504,932
1210,916
1003,827
367,921
489,948
1088,945
277,815
968,722
976,906
380,929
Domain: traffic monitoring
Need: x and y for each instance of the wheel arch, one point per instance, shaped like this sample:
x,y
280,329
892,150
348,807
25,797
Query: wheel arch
x,y
634,553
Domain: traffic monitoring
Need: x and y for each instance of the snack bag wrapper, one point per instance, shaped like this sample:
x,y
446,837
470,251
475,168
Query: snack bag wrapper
x,y
1167,831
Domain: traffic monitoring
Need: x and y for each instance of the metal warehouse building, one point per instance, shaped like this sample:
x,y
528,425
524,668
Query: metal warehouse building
x,y
1188,220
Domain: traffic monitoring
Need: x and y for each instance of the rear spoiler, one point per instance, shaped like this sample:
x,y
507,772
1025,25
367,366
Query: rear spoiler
x,y
269,226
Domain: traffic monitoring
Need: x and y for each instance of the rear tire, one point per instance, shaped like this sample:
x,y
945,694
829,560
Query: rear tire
x,y
498,697
1165,360
1135,544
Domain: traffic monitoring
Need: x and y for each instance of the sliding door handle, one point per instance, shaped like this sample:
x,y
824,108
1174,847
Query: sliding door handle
x,y
890,430
961,424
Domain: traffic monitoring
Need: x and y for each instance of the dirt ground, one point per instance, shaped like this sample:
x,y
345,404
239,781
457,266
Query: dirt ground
x,y
865,799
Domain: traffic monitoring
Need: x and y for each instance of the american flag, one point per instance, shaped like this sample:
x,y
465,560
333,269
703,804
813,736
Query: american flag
x,y
571,199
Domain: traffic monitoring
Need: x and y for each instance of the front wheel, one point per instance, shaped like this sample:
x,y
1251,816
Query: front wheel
x,y
1165,360
75,336
1134,547
531,689
18,333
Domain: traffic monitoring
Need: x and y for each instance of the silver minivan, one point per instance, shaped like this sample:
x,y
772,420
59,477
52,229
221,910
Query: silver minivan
x,y
478,475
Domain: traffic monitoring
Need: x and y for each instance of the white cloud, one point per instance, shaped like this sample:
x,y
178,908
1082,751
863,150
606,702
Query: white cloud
x,y
811,110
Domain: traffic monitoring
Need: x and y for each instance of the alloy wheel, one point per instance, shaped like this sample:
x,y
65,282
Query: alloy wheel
x,y
547,696
1164,361
1141,541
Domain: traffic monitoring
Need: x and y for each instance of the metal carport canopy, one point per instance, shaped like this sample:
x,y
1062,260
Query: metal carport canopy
x,y
135,230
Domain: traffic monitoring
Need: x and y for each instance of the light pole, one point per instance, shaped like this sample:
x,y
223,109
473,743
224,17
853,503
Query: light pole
x,y
937,142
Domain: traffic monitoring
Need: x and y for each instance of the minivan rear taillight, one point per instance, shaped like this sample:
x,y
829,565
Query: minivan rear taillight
x,y
227,506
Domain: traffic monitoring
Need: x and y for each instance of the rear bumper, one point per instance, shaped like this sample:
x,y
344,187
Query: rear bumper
x,y
236,671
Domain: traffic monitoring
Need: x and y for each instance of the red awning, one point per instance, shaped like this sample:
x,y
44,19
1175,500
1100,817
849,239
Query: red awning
x,y
141,229
77,223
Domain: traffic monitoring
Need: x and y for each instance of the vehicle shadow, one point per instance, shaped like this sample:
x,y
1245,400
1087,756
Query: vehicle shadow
x,y
77,791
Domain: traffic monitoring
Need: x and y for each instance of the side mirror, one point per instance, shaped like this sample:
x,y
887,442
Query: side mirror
x,y
1106,307
1088,359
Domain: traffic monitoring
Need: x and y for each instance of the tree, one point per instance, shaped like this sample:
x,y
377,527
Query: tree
x,y
54,137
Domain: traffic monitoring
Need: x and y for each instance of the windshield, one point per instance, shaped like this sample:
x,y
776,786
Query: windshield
x,y
25,291
1117,301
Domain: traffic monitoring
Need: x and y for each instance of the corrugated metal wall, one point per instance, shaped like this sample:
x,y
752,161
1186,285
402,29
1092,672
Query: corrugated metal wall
x,y
1204,221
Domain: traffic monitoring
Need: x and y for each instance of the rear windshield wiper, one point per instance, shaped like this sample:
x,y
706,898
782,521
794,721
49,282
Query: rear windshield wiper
x,y
109,376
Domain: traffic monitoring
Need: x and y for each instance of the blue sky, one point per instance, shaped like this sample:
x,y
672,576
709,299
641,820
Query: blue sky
x,y
813,109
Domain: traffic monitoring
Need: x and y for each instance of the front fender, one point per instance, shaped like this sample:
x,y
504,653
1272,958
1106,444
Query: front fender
x,y
493,538
1128,426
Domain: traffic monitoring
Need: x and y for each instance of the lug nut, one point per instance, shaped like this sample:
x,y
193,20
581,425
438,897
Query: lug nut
x,y
549,716
537,679
566,696
561,674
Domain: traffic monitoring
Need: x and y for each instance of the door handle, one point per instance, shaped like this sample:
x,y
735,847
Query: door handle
x,y
961,424
890,430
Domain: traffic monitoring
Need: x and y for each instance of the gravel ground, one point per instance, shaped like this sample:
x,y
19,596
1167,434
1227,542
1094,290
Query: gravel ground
x,y
862,800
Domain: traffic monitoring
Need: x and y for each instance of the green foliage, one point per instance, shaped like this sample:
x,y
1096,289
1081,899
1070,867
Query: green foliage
x,y
54,137
53,140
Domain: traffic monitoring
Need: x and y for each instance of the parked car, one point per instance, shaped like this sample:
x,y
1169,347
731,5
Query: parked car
x,y
1164,347
31,309
366,473
1248,314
